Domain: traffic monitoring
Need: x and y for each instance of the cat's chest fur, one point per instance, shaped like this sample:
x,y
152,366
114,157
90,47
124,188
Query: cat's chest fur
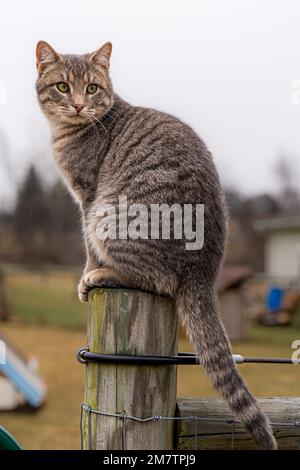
x,y
77,162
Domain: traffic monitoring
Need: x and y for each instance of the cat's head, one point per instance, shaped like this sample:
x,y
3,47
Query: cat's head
x,y
73,89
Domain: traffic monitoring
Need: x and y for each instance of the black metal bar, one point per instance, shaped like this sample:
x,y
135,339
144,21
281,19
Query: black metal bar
x,y
84,356
268,360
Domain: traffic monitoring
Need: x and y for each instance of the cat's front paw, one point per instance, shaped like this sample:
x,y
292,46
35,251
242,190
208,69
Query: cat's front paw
x,y
83,290
100,278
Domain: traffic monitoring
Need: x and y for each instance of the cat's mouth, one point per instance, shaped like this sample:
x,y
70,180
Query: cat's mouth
x,y
85,115
80,114
76,117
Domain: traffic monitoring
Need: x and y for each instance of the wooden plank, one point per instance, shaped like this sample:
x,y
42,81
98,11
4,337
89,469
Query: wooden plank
x,y
130,322
217,435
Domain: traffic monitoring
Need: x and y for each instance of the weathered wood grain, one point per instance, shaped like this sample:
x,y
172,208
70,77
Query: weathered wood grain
x,y
218,435
130,322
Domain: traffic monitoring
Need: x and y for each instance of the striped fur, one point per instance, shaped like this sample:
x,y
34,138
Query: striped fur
x,y
115,149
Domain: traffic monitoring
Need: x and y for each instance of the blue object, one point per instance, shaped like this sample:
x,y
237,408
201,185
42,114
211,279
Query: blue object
x,y
19,373
274,299
33,392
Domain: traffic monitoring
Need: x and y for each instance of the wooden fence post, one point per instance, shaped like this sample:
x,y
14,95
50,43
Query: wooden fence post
x,y
130,322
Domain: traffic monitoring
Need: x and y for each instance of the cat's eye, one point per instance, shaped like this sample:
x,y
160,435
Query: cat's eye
x,y
63,87
91,89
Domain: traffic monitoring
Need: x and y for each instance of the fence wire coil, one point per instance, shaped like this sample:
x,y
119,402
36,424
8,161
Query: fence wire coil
x,y
194,420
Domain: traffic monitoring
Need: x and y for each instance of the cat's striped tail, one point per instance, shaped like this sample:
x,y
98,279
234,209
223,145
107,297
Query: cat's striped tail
x,y
197,308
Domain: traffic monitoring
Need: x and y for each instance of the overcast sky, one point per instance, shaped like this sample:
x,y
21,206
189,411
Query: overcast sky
x,y
226,67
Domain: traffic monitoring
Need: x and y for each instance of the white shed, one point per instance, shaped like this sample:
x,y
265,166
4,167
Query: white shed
x,y
282,247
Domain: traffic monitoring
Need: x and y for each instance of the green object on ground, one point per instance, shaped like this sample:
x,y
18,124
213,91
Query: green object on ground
x,y
7,441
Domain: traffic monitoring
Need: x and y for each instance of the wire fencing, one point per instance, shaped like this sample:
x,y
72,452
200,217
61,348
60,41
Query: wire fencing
x,y
194,421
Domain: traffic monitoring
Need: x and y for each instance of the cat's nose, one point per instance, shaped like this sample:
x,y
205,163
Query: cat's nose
x,y
78,107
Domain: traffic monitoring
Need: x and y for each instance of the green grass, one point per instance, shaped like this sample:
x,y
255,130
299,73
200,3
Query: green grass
x,y
48,298
277,336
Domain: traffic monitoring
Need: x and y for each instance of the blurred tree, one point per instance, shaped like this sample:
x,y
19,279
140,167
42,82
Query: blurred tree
x,y
30,206
46,224
288,196
257,206
234,201
4,217
64,212
243,212
66,227
4,306
31,219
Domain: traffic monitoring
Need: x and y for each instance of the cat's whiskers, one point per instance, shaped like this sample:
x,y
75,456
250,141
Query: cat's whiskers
x,y
91,121
111,113
111,116
101,124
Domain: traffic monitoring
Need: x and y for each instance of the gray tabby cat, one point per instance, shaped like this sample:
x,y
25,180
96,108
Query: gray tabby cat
x,y
104,147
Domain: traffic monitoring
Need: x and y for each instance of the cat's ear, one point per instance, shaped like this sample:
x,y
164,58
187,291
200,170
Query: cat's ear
x,y
102,56
45,55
